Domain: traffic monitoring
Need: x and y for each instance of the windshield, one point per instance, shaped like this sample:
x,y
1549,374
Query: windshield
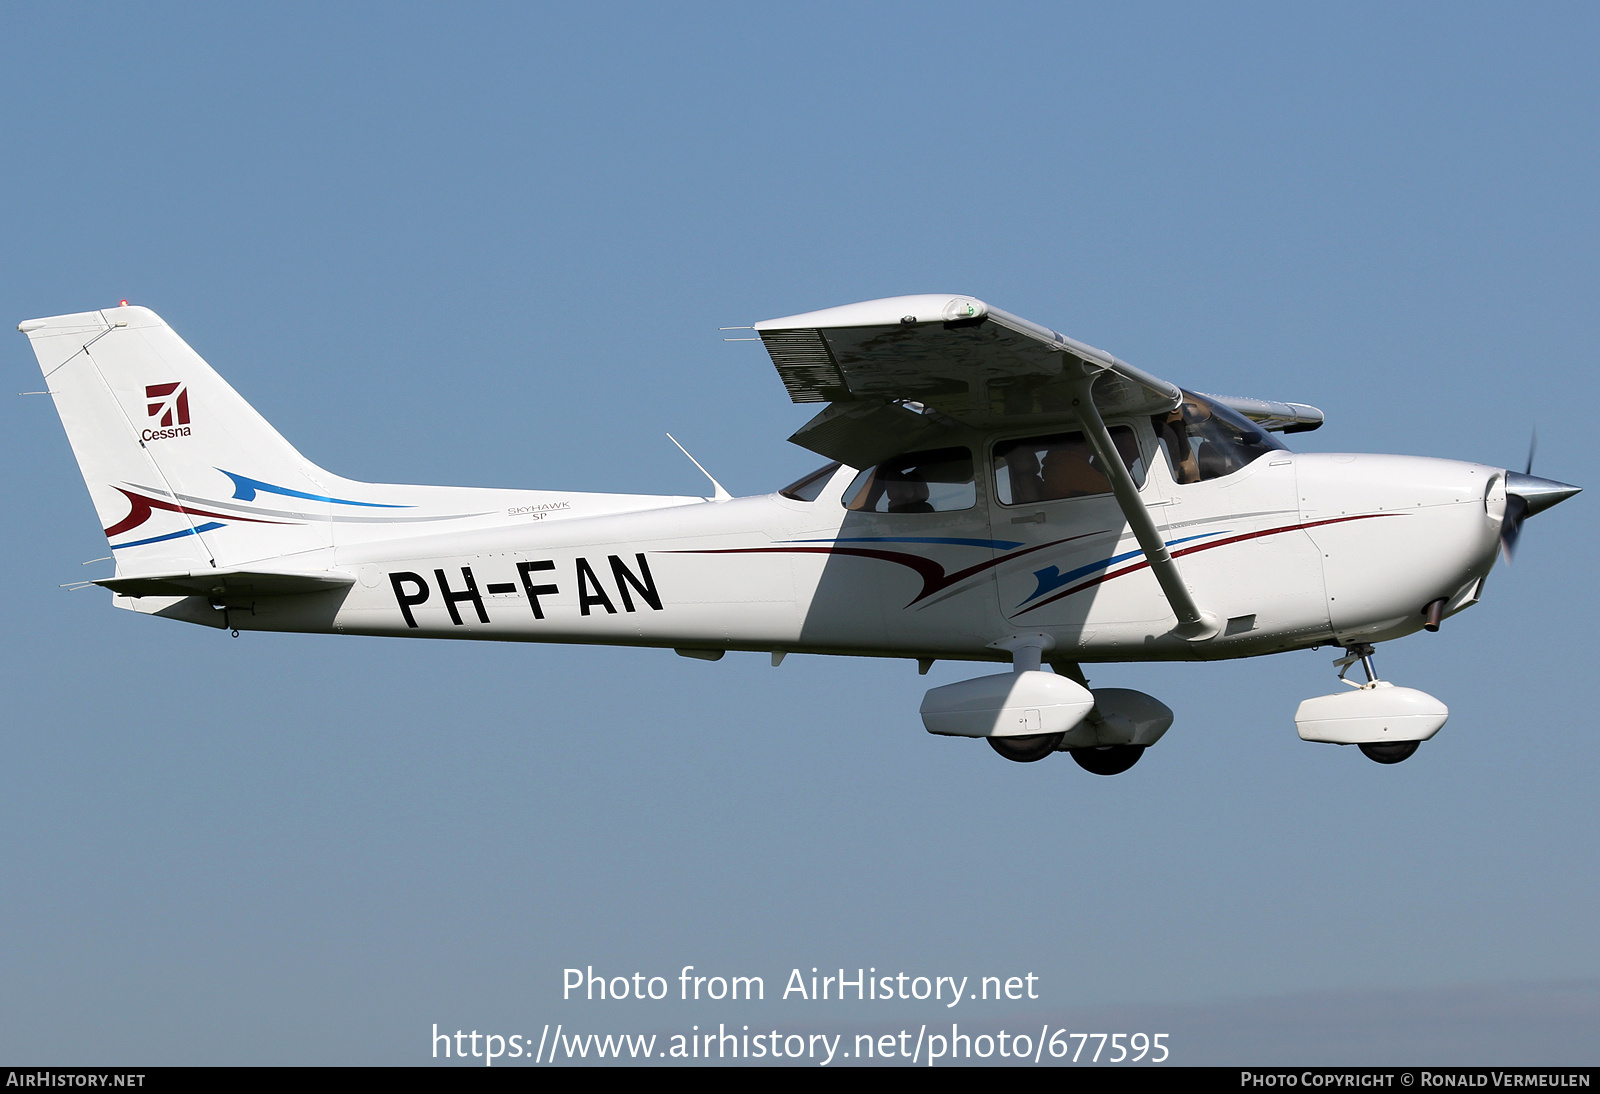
x,y
1206,440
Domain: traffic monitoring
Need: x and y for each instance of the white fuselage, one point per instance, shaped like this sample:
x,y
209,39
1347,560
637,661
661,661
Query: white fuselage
x,y
1292,551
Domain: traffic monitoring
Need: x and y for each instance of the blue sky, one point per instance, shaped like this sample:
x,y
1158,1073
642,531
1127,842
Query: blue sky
x,y
492,245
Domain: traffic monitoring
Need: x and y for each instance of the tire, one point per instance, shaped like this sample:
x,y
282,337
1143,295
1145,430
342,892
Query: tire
x,y
1389,752
1108,759
1026,750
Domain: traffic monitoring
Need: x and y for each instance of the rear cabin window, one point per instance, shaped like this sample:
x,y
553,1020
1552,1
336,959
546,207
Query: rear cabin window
x,y
808,488
1062,465
938,481
1205,440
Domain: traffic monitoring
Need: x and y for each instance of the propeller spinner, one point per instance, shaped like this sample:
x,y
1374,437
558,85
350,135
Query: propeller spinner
x,y
1525,496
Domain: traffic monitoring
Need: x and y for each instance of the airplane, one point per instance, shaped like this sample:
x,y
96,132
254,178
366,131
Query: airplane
x,y
994,492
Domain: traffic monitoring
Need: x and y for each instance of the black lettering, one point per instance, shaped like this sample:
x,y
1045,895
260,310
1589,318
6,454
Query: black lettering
x,y
451,599
524,569
624,577
407,602
587,582
500,588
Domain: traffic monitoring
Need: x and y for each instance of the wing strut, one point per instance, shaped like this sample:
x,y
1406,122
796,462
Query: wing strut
x,y
1194,624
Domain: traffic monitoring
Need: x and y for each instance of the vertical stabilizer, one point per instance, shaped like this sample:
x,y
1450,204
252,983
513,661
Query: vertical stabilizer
x,y
169,451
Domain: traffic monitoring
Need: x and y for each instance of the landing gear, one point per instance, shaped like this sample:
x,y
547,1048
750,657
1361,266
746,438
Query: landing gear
x,y
1026,750
1391,753
1357,652
1108,759
1382,752
1109,729
1386,722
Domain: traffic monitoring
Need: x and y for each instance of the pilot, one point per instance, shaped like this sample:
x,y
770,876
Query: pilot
x,y
1174,433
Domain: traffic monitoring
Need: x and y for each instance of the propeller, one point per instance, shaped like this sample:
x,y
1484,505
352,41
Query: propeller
x,y
1527,494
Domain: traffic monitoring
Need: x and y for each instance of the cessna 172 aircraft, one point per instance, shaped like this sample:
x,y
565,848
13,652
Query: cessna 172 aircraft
x,y
995,492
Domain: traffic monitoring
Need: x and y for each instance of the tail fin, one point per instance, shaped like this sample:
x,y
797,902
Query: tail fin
x,y
169,450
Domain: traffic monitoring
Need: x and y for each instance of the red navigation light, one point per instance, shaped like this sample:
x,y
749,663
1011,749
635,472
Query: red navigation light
x,y
122,304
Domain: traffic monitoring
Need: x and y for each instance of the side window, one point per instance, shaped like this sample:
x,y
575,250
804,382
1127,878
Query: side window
x,y
1205,440
939,481
808,488
1062,465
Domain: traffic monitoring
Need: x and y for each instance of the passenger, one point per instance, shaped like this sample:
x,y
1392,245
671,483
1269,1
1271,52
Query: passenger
x,y
908,495
1022,464
1067,473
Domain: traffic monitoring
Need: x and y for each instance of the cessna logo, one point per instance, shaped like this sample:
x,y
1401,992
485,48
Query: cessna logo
x,y
169,405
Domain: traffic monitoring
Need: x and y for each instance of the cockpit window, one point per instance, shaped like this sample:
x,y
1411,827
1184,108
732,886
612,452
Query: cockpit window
x,y
938,481
1206,440
1059,466
808,488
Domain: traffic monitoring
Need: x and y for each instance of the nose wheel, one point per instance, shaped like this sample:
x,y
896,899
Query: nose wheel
x,y
1373,715
1390,753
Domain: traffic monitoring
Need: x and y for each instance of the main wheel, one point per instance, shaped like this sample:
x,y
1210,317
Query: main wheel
x,y
1389,752
1026,750
1108,759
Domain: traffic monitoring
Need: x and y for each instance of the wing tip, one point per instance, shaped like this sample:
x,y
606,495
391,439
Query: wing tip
x,y
885,312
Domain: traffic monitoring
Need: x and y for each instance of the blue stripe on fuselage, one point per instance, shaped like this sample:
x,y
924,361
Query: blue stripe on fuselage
x,y
1051,579
244,489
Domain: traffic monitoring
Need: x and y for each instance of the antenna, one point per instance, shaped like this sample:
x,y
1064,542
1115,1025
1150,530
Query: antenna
x,y
720,494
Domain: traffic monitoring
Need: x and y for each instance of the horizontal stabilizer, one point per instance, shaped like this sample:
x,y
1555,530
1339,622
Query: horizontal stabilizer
x,y
223,583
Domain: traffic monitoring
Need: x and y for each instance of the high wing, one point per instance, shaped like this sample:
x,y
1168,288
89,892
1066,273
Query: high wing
x,y
900,372
918,372
1273,417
